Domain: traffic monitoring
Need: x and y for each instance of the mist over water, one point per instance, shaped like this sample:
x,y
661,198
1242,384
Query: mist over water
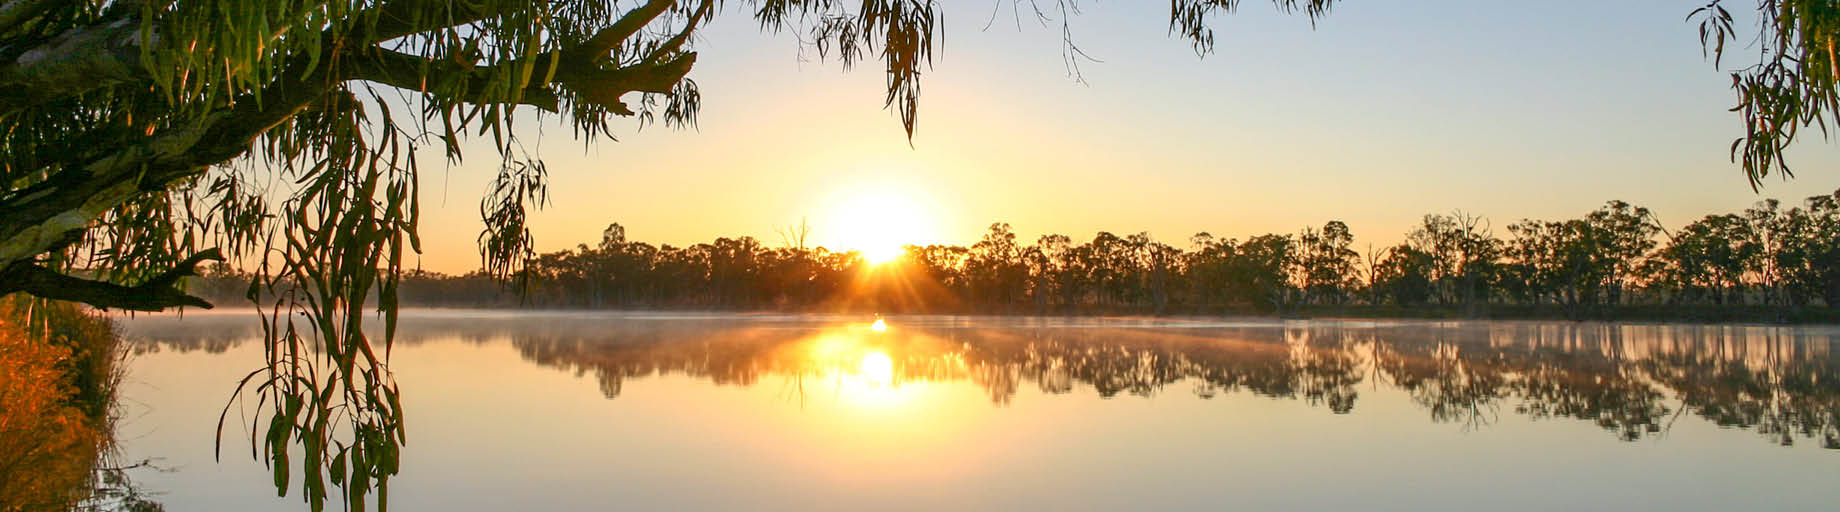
x,y
587,410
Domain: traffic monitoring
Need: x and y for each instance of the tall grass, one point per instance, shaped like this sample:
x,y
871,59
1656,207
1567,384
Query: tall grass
x,y
60,367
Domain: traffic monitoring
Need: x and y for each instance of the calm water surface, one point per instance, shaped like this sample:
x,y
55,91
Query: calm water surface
x,y
594,411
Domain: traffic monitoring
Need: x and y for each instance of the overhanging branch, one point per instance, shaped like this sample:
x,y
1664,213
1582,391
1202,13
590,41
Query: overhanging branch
x,y
596,48
159,293
592,83
604,87
404,71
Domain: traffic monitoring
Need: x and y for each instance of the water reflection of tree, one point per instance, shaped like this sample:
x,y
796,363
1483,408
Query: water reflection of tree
x,y
1633,381
1795,399
1453,387
1627,380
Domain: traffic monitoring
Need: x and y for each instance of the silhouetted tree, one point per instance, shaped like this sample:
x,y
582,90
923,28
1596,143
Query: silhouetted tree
x,y
1404,276
1708,258
1622,235
995,269
1463,255
1809,254
1327,266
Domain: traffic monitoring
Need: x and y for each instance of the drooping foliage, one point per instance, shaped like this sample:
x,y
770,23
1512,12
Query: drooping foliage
x,y
1789,86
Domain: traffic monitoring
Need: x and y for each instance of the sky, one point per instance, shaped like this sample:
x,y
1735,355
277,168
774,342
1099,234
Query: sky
x,y
1376,116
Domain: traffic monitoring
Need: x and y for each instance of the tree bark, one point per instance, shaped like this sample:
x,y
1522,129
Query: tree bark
x,y
155,294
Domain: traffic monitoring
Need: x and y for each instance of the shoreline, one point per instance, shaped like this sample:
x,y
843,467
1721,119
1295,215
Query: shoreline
x,y
1709,314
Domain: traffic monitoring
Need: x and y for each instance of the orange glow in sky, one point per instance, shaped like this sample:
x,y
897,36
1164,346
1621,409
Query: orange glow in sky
x,y
1155,139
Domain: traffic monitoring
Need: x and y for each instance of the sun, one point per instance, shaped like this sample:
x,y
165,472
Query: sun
x,y
879,253
880,222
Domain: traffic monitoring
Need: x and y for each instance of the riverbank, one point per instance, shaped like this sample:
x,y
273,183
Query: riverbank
x,y
1729,314
60,368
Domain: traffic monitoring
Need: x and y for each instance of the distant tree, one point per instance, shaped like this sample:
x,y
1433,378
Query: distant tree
x,y
1108,264
1581,263
1404,275
995,268
1057,269
1620,237
1262,269
1463,256
941,265
794,236
1809,255
1370,278
1207,266
1327,266
1709,257
1159,265
613,237
1562,262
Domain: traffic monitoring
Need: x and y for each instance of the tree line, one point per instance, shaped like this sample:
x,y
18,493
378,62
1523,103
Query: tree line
x,y
1616,259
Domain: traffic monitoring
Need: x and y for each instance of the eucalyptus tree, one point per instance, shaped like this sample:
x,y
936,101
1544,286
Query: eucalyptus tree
x,y
1109,263
1157,264
1255,273
1788,86
1327,267
1581,262
1561,260
1809,257
995,269
1056,269
1206,268
1262,270
1622,236
1038,269
1464,253
1403,276
941,265
1711,256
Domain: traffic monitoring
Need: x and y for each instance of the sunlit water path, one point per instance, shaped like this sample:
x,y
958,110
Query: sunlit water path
x,y
592,411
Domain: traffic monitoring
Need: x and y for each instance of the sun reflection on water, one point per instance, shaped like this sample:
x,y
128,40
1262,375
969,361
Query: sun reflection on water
x,y
876,369
875,385
864,366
